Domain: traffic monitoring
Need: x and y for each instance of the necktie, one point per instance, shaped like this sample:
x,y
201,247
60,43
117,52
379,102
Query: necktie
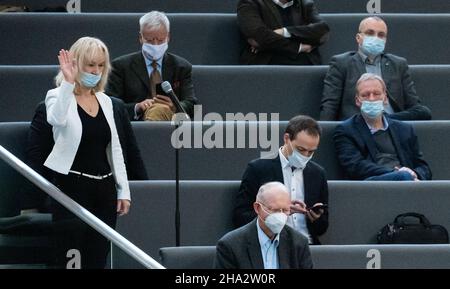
x,y
155,78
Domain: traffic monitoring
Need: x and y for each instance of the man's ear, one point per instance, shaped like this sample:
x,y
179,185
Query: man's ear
x,y
255,207
359,38
357,101
286,138
140,39
385,98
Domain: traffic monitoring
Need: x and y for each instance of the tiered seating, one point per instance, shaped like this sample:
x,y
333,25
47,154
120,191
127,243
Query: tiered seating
x,y
212,43
357,211
228,89
154,140
217,43
327,257
229,6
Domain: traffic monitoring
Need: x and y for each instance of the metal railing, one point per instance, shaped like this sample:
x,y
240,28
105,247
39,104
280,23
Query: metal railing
x,y
79,211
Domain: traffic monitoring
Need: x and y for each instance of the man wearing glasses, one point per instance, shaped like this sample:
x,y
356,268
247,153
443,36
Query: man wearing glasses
x,y
304,179
345,70
265,242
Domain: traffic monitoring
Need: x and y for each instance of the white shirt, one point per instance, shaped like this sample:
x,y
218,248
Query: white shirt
x,y
293,180
284,5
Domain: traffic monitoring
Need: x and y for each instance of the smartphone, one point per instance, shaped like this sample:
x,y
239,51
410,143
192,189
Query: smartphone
x,y
159,90
317,208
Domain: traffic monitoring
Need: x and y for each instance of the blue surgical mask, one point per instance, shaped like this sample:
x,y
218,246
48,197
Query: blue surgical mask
x,y
298,160
90,80
372,109
373,45
154,52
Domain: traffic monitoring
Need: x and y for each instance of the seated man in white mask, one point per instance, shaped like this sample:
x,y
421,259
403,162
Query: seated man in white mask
x,y
136,77
265,242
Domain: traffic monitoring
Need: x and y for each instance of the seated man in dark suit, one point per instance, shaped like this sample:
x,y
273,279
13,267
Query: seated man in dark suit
x,y
305,180
373,146
40,144
345,70
265,242
281,32
135,77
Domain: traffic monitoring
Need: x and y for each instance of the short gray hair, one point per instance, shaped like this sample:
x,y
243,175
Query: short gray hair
x,y
267,187
155,20
367,77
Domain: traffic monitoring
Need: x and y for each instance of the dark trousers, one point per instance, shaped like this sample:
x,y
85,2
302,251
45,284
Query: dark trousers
x,y
97,196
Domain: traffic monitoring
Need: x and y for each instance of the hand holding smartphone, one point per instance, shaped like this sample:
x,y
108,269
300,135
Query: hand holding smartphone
x,y
316,209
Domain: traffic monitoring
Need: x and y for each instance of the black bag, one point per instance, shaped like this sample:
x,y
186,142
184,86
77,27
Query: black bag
x,y
402,232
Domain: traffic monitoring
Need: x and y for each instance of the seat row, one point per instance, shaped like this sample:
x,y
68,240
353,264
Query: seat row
x,y
207,39
329,257
230,158
229,89
357,211
229,6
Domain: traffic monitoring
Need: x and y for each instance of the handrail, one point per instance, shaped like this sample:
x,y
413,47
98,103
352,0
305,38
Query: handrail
x,y
78,210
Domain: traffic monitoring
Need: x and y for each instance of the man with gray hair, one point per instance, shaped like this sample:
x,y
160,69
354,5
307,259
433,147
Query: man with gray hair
x,y
345,69
136,78
265,243
373,146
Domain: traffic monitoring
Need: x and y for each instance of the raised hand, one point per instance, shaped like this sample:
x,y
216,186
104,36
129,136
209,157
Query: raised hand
x,y
68,65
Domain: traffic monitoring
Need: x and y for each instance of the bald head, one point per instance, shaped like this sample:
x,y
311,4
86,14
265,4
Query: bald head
x,y
372,26
370,21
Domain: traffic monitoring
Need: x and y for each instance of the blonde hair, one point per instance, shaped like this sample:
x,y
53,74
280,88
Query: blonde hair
x,y
84,51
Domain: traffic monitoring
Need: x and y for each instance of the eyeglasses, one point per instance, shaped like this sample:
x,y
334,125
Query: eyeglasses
x,y
380,34
272,210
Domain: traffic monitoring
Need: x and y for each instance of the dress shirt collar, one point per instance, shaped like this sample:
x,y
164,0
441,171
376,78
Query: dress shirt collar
x,y
366,59
264,240
283,159
283,5
374,130
148,63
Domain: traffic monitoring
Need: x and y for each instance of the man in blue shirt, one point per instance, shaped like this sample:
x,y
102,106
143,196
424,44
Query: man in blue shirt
x,y
373,146
265,243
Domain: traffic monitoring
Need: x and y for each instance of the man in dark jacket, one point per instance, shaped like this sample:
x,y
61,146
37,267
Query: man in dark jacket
x,y
281,32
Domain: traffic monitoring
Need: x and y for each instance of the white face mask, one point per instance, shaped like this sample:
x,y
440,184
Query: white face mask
x,y
298,160
154,52
275,221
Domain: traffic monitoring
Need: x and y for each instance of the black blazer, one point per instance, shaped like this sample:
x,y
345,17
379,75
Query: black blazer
x,y
356,149
338,100
40,144
262,171
129,80
240,249
258,18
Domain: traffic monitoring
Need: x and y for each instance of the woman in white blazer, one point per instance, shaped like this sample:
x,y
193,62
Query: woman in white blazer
x,y
87,156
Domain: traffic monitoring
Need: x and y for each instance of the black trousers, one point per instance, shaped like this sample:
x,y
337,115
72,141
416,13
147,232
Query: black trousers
x,y
97,196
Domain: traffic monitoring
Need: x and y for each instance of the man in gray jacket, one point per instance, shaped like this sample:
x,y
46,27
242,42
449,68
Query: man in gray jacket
x,y
338,100
265,243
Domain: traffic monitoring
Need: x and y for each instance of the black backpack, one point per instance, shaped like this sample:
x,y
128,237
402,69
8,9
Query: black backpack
x,y
422,232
